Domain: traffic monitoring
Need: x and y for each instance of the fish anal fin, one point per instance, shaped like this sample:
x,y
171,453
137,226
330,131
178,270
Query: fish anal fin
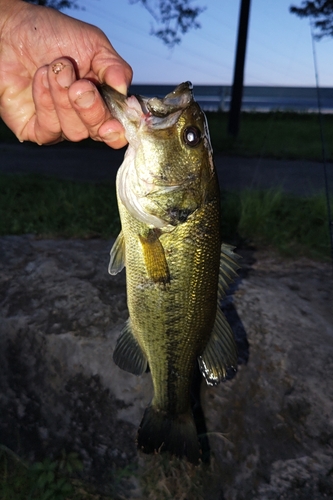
x,y
219,358
128,354
154,257
117,255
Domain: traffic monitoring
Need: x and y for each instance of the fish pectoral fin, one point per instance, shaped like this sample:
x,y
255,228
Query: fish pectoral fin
x,y
128,355
154,257
219,358
117,255
228,268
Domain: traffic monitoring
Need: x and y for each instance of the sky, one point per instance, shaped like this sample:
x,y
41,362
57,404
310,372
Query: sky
x,y
279,49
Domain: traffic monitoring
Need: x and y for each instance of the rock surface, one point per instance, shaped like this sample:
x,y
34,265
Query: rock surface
x,y
270,428
277,414
61,314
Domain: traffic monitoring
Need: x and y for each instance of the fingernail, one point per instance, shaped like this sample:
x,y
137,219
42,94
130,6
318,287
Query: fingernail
x,y
86,99
111,136
45,80
64,74
121,88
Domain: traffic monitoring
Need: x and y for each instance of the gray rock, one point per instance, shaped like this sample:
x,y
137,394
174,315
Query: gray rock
x,y
61,314
276,416
270,428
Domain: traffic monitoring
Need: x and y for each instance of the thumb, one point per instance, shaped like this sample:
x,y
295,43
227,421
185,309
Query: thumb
x,y
113,70
119,77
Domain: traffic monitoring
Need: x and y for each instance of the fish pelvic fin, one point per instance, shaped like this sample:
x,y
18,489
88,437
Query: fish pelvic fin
x,y
176,434
117,255
228,269
128,355
154,257
219,358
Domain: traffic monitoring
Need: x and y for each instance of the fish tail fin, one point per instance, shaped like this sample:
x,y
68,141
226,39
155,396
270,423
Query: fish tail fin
x,y
159,431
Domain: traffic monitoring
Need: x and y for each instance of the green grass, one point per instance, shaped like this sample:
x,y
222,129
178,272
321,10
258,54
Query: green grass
x,y
56,208
294,226
157,476
277,134
46,480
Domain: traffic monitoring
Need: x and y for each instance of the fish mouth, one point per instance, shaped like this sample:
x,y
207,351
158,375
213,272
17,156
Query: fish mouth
x,y
177,100
156,112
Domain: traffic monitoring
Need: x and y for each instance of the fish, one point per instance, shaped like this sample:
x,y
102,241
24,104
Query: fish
x,y
177,271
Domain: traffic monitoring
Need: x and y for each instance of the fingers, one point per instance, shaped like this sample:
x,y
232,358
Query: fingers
x,y
60,76
46,125
73,109
55,118
94,114
118,75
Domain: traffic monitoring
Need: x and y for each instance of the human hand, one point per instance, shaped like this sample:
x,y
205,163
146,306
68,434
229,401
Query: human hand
x,y
49,63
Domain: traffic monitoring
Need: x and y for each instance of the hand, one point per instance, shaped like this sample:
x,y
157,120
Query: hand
x,y
49,63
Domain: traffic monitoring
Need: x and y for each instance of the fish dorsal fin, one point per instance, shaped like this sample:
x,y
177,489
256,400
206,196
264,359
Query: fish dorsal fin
x,y
117,255
128,355
220,354
228,268
154,257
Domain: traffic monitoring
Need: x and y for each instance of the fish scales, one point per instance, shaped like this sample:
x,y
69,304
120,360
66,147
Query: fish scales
x,y
182,311
169,205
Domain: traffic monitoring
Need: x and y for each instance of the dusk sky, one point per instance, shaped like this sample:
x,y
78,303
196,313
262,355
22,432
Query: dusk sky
x,y
279,48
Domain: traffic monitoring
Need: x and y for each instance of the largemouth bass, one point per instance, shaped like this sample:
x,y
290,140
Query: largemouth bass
x,y
169,204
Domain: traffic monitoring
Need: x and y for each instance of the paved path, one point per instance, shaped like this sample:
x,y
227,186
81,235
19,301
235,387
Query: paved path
x,y
98,164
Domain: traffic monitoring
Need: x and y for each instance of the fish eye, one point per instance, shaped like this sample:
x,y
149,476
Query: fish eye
x,y
192,136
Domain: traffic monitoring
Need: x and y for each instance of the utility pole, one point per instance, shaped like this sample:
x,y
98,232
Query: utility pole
x,y
237,87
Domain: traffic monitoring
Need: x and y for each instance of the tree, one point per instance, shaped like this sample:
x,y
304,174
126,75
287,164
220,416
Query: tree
x,y
55,4
173,17
321,11
238,81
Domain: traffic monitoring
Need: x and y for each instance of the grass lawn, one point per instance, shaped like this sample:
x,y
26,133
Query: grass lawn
x,y
50,207
274,135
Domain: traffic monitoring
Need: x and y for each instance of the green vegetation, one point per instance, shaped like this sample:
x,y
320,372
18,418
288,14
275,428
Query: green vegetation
x,y
276,135
46,480
52,208
56,208
156,477
288,135
292,225
170,478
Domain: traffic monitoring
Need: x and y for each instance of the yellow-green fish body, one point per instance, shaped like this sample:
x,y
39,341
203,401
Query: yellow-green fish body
x,y
169,206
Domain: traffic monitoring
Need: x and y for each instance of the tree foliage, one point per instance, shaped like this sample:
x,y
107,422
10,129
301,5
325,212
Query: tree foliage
x,y
173,18
55,4
320,12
